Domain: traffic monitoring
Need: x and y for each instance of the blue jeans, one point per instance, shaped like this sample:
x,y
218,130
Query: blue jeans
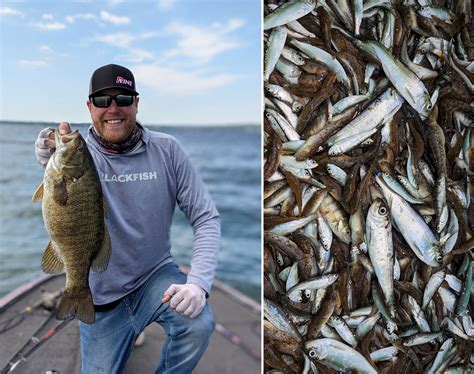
x,y
108,342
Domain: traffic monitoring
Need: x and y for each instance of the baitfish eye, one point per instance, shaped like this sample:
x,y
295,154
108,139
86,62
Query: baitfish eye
x,y
312,353
429,106
439,258
279,259
382,210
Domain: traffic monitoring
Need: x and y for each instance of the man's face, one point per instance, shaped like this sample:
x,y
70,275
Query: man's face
x,y
114,123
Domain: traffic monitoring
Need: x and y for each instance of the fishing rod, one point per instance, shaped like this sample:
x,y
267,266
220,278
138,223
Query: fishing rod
x,y
38,342
10,363
48,302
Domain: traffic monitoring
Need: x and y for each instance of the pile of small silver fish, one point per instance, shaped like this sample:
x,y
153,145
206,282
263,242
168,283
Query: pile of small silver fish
x,y
368,177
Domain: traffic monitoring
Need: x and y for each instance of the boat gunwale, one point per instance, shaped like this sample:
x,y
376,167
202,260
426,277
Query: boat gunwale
x,y
21,291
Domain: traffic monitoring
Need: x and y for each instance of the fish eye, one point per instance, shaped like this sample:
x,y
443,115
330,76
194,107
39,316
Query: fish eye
x,y
423,50
312,353
280,260
382,210
268,115
429,106
439,258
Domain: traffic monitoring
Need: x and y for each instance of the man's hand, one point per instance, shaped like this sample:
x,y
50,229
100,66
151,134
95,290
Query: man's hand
x,y
187,299
45,144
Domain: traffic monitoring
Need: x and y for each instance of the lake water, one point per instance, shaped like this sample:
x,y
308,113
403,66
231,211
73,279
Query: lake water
x,y
228,159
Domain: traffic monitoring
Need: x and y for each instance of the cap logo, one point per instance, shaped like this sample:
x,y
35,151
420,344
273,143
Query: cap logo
x,y
122,80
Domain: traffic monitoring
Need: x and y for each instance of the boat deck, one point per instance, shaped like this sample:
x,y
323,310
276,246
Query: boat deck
x,y
234,346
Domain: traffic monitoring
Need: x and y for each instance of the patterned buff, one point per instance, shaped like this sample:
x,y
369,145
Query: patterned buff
x,y
132,140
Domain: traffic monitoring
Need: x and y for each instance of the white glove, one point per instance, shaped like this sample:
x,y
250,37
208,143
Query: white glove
x,y
187,299
45,144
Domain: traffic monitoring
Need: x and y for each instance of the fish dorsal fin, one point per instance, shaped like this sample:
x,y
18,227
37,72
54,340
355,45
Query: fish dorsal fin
x,y
101,260
51,263
60,192
38,195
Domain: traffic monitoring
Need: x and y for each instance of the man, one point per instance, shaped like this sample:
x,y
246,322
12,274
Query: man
x,y
143,174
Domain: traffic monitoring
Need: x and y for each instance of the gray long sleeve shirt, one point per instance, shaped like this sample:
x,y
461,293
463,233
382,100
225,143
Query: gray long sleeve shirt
x,y
141,189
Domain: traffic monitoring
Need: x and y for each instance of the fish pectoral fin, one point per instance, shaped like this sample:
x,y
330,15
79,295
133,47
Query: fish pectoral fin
x,y
38,195
368,236
60,192
101,260
51,263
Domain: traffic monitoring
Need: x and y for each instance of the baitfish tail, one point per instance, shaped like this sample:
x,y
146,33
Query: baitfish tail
x,y
76,305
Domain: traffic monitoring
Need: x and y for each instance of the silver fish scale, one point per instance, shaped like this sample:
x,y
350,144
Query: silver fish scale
x,y
381,94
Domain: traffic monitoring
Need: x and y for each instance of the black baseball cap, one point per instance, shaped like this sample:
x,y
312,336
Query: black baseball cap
x,y
112,76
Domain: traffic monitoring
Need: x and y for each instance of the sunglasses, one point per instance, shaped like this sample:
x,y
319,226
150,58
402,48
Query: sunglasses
x,y
105,101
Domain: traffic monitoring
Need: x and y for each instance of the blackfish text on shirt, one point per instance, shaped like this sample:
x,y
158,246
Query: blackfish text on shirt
x,y
141,189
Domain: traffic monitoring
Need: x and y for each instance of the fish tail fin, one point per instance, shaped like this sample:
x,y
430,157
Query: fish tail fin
x,y
76,305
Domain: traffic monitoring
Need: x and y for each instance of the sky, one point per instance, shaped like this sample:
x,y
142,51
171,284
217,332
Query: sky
x,y
194,61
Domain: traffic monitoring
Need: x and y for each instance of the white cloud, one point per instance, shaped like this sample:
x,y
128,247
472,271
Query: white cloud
x,y
34,64
120,39
51,26
179,83
81,16
123,39
49,53
47,16
202,44
234,24
136,56
45,49
166,4
116,20
10,11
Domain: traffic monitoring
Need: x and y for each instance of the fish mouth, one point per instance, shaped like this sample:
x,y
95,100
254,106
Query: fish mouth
x,y
66,138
